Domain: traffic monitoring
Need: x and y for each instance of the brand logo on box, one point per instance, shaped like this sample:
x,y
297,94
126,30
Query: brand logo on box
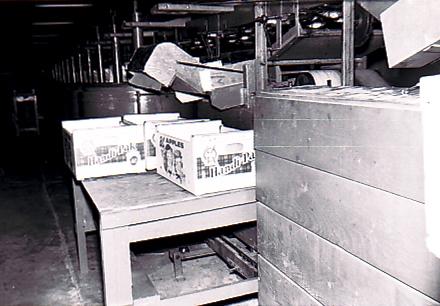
x,y
111,154
213,165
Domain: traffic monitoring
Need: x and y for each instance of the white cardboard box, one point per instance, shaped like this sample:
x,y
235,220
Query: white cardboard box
x,y
206,157
107,146
150,128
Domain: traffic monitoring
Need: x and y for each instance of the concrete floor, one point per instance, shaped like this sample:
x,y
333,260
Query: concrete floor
x,y
38,262
38,258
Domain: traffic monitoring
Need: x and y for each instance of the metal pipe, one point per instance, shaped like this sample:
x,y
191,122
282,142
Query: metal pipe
x,y
63,72
174,23
68,79
54,73
74,76
116,55
58,72
348,43
80,68
100,65
137,31
89,66
279,32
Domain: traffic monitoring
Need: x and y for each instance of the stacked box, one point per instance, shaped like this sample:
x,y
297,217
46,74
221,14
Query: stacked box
x,y
206,157
107,146
150,143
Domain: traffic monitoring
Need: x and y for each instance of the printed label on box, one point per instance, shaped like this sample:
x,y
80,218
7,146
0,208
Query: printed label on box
x,y
210,165
213,165
89,155
172,156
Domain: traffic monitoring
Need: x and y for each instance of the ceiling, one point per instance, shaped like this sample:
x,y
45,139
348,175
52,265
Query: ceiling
x,y
35,34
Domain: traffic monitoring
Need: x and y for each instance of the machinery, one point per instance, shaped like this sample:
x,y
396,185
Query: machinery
x,y
301,35
25,117
237,248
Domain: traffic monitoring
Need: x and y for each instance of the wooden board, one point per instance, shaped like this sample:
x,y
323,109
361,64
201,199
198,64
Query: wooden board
x,y
329,273
385,230
133,199
276,289
361,135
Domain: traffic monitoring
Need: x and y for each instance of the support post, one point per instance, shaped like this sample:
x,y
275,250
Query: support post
x,y
348,43
260,47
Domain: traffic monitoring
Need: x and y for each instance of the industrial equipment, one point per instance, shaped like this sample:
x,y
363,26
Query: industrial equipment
x,y
238,249
25,116
166,66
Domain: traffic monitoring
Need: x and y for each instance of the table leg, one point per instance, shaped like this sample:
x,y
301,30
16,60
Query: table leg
x,y
80,203
116,266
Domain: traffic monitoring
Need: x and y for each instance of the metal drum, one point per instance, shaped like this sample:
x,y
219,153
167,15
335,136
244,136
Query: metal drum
x,y
109,100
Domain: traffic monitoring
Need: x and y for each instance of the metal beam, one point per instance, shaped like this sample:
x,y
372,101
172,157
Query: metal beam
x,y
175,23
260,48
166,8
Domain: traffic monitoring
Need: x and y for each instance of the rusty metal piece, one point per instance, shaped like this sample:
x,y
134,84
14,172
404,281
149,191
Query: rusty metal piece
x,y
186,253
235,254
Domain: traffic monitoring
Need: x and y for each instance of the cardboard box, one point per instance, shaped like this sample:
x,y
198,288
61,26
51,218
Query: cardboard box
x,y
150,128
206,157
107,146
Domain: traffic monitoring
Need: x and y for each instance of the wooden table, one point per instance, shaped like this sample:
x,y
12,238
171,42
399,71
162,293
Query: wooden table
x,y
140,207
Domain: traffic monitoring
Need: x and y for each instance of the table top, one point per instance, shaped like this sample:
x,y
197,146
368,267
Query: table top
x,y
136,198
